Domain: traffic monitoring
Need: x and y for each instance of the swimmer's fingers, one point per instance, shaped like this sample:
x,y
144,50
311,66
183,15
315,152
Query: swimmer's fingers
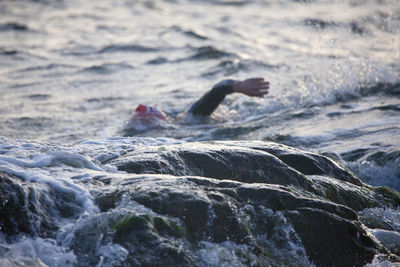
x,y
252,87
257,79
259,83
263,85
256,92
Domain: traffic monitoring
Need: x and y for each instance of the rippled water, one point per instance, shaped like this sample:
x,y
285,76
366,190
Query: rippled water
x,y
74,70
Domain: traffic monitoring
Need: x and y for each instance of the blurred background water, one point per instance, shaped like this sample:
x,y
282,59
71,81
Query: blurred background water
x,y
76,69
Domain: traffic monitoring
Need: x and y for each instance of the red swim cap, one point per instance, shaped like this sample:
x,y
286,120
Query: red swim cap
x,y
146,112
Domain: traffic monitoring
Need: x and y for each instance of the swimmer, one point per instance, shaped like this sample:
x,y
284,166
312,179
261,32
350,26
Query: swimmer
x,y
205,106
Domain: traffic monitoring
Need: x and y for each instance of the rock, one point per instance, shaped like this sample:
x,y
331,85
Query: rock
x,y
258,162
234,191
209,204
217,211
331,240
32,208
139,239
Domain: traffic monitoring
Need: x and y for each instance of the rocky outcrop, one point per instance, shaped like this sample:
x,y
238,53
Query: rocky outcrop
x,y
247,214
259,162
220,191
209,204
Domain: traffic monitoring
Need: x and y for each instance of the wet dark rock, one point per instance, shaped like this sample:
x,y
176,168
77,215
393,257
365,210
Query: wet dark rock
x,y
217,211
258,162
261,203
255,162
338,233
31,208
147,239
237,191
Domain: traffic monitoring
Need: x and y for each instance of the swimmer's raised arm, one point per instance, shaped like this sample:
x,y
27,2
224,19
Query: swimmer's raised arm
x,y
252,87
206,105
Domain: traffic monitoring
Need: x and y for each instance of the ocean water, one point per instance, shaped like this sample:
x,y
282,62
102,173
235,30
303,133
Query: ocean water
x,y
72,73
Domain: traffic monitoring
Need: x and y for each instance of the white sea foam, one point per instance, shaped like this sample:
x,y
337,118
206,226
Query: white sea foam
x,y
82,195
389,239
378,262
45,249
284,246
377,175
37,164
111,255
388,216
323,84
224,254
66,169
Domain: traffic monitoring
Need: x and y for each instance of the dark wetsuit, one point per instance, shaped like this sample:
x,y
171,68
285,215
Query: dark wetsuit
x,y
210,101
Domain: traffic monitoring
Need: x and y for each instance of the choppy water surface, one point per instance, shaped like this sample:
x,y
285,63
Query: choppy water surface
x,y
74,70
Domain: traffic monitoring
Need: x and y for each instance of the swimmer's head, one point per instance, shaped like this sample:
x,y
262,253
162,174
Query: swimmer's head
x,y
143,112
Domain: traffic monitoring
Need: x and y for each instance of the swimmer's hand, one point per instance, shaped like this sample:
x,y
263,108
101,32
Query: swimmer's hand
x,y
257,87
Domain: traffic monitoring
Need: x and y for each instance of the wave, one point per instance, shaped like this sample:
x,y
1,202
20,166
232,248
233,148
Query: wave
x,y
103,99
340,81
14,26
126,48
225,68
30,122
107,68
39,96
208,52
80,50
203,53
380,88
233,66
190,33
8,52
320,24
236,3
48,67
25,84
376,167
158,61
20,54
